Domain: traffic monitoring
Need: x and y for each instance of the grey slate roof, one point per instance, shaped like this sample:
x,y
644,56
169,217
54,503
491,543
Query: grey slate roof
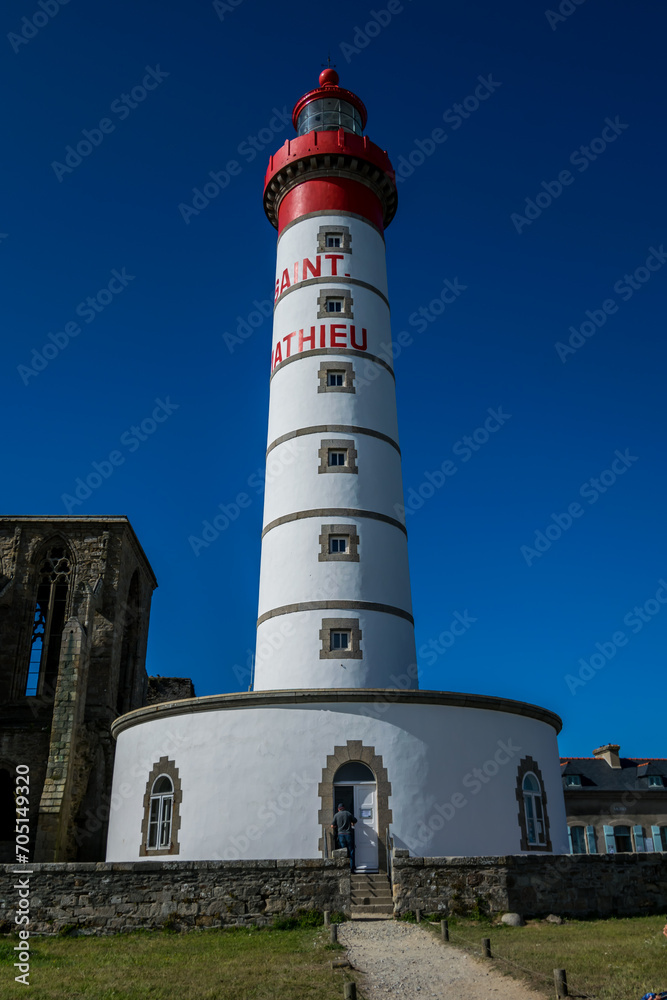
x,y
596,773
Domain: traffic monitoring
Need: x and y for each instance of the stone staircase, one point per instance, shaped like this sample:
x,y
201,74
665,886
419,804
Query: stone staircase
x,y
371,897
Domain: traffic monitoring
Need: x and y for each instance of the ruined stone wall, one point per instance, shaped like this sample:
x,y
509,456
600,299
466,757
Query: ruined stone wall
x,y
110,898
579,885
162,689
63,733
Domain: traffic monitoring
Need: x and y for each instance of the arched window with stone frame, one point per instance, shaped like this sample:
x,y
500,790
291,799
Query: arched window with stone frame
x,y
54,574
162,810
532,799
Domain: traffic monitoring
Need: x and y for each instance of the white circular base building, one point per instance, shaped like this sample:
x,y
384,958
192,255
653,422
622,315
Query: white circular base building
x,y
258,775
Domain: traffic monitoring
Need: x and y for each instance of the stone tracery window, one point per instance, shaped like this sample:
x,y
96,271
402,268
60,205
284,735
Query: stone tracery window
x,y
49,620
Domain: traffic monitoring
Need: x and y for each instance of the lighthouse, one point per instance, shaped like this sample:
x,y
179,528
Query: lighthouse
x,y
335,714
334,598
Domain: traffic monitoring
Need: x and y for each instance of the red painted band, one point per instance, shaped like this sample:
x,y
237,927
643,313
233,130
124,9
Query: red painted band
x,y
333,143
330,194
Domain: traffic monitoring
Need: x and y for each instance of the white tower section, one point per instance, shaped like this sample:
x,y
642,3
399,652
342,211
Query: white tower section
x,y
334,603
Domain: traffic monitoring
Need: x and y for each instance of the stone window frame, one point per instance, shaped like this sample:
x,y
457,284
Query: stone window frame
x,y
350,531
38,558
337,444
342,231
346,367
350,625
355,750
168,767
528,765
335,293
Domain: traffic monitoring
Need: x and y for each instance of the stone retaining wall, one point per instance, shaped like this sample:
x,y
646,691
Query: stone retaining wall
x,y
580,885
110,898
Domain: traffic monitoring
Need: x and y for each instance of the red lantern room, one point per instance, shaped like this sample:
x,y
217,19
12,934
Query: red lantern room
x,y
331,165
329,108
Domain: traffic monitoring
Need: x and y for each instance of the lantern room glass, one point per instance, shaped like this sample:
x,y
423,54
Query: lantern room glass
x,y
328,115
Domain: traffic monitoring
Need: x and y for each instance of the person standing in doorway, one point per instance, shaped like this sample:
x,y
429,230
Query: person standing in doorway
x,y
342,825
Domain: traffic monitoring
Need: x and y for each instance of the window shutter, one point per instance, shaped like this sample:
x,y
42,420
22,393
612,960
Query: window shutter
x,y
609,841
657,839
638,834
590,837
569,837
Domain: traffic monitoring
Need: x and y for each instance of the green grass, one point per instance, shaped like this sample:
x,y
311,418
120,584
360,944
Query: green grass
x,y
159,965
607,959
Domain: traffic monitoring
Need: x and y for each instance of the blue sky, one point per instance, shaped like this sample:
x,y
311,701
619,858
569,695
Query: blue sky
x,y
541,203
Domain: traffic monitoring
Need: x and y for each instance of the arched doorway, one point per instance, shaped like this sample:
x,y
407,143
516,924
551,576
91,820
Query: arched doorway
x,y
355,788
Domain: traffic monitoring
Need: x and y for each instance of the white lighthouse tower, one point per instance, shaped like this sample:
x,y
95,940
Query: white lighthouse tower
x,y
334,601
336,714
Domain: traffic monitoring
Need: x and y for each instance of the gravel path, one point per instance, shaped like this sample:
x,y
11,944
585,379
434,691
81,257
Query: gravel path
x,y
405,961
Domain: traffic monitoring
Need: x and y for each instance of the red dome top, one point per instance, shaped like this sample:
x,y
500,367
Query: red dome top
x,y
328,77
329,88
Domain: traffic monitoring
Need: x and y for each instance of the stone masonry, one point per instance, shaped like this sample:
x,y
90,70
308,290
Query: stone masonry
x,y
182,895
571,885
58,700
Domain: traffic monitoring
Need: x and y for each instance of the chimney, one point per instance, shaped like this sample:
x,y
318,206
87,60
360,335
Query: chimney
x,y
609,752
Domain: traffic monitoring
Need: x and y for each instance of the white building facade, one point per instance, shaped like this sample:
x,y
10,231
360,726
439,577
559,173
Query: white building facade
x,y
335,713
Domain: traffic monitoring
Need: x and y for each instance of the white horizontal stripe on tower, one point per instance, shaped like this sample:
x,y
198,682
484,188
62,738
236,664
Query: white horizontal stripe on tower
x,y
293,480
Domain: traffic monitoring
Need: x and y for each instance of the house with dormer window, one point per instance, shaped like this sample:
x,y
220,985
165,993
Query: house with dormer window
x,y
614,804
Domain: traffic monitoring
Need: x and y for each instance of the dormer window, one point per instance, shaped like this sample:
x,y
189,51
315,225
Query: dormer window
x,y
573,781
656,781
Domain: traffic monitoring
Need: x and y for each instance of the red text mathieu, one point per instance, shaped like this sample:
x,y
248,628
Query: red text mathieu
x,y
306,268
320,336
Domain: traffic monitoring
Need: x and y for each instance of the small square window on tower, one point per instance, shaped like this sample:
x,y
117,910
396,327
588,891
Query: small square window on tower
x,y
339,543
340,638
337,455
336,377
334,238
334,301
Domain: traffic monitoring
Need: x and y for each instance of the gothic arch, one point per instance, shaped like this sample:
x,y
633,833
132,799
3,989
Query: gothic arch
x,y
355,750
51,588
